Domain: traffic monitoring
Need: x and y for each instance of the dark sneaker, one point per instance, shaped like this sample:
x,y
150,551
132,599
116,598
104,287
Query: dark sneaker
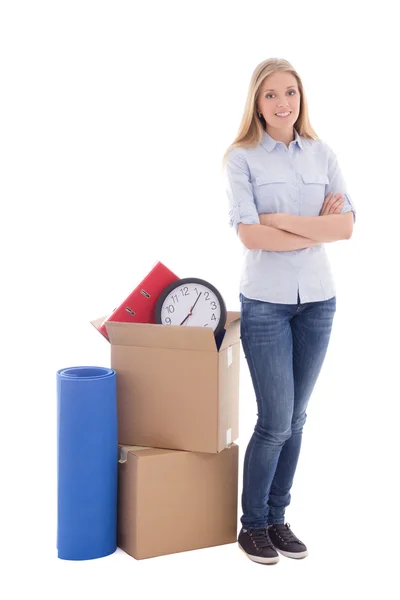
x,y
286,542
257,545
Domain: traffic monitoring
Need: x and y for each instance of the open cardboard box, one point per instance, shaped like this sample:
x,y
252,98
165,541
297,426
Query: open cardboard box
x,y
176,387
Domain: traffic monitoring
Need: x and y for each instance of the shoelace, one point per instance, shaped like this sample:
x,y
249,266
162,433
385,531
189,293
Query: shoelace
x,y
260,537
286,534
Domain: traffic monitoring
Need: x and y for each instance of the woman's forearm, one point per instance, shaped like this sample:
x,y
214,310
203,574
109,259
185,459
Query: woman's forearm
x,y
263,237
326,228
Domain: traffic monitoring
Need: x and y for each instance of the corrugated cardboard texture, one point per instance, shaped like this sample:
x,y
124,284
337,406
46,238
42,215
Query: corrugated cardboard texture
x,y
174,388
173,501
167,398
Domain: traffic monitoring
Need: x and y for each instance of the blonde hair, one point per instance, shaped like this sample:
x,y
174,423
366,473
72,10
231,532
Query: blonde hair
x,y
252,127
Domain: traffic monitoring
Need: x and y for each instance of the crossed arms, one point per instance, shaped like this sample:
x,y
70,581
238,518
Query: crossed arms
x,y
284,231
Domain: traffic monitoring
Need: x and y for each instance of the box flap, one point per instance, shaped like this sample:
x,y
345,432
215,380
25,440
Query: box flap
x,y
232,326
98,322
154,335
142,451
231,316
232,335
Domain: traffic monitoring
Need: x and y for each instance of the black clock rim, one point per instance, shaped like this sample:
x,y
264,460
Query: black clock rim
x,y
179,282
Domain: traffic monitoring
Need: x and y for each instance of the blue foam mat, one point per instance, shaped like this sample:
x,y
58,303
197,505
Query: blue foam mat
x,y
87,462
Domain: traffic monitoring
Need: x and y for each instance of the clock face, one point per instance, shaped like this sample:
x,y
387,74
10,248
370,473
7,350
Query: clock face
x,y
191,302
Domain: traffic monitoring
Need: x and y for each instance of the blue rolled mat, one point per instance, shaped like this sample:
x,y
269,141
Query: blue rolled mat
x,y
87,462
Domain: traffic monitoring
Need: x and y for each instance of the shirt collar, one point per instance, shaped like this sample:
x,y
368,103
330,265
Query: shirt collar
x,y
269,143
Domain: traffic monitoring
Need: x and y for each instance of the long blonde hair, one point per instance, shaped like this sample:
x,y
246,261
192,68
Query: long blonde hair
x,y
252,127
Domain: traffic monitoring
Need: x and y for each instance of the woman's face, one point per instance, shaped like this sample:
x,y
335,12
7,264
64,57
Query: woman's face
x,y
279,93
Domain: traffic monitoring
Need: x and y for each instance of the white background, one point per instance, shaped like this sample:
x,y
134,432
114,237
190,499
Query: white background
x,y
114,119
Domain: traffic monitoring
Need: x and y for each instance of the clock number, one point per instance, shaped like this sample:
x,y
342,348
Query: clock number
x,y
175,296
170,308
207,295
186,292
213,318
213,305
168,321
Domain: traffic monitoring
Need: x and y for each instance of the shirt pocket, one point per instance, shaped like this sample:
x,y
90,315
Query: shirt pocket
x,y
270,191
314,187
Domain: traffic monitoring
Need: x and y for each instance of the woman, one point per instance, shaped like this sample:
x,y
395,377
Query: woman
x,y
287,197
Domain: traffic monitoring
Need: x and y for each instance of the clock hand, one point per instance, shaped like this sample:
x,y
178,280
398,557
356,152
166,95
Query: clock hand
x,y
198,297
185,319
191,309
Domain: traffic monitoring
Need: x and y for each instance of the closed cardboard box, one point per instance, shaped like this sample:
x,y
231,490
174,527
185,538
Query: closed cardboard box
x,y
173,501
176,388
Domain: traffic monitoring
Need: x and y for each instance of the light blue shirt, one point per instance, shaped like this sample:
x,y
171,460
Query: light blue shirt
x,y
273,178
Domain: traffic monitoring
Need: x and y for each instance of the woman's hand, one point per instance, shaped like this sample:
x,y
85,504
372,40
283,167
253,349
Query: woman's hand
x,y
332,205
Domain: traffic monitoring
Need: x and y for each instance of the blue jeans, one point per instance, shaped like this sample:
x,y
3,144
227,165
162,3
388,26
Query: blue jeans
x,y
285,347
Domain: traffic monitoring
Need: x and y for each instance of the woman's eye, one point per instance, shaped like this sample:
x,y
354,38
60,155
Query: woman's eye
x,y
294,91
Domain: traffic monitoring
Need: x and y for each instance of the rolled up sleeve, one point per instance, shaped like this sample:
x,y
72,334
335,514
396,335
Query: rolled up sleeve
x,y
337,183
242,207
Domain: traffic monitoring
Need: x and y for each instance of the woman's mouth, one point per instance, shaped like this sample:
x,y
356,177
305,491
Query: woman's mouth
x,y
283,115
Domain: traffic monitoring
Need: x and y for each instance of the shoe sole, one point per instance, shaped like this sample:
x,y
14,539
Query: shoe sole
x,y
260,559
293,554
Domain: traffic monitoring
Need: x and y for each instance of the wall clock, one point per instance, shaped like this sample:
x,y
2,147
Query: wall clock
x,y
191,302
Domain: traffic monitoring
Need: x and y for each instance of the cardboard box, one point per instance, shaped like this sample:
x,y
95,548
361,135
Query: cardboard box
x,y
173,501
175,388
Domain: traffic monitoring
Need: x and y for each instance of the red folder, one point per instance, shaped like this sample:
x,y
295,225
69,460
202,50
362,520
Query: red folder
x,y
140,305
